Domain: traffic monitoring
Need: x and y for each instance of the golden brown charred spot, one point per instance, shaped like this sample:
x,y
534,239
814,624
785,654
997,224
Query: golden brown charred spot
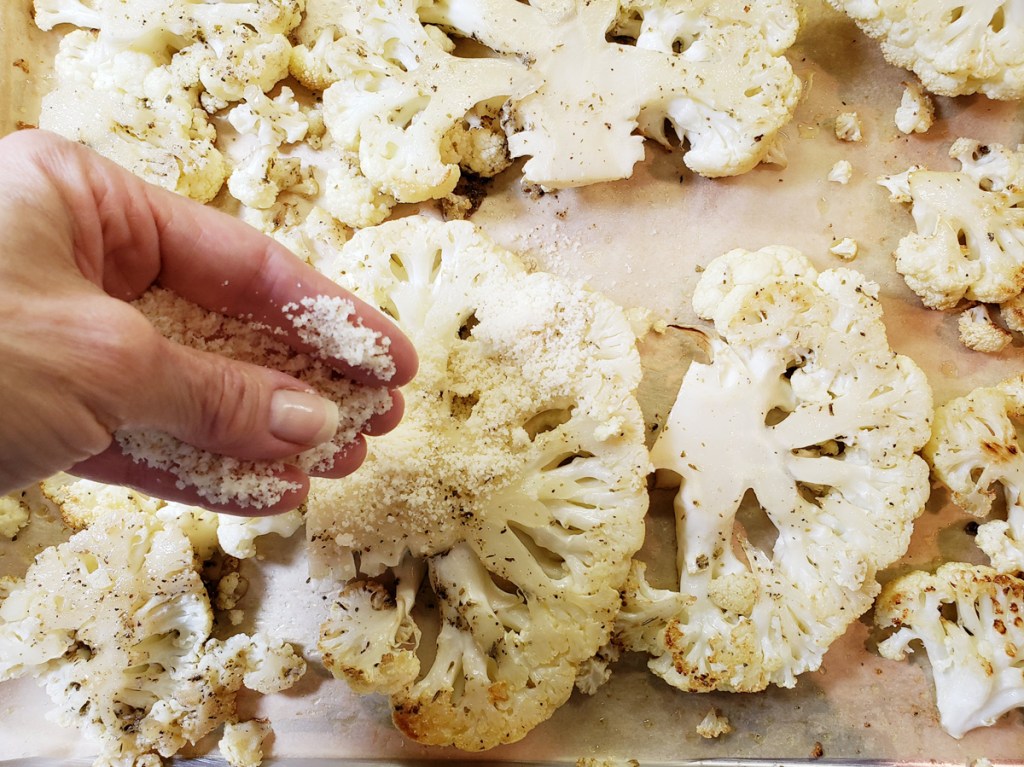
x,y
999,626
498,693
999,451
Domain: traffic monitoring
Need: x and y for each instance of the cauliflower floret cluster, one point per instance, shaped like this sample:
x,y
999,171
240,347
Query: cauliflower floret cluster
x,y
955,47
969,242
970,621
514,489
81,502
137,80
116,624
597,78
804,415
976,452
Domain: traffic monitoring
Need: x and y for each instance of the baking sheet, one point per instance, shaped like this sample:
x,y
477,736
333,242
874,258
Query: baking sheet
x,y
642,242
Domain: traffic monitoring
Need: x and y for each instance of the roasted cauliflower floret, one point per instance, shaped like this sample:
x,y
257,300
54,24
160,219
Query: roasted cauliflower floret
x,y
517,476
803,419
116,624
970,622
955,47
976,452
969,242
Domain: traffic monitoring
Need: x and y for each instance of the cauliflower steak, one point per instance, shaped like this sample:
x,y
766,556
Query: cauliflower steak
x,y
513,492
795,446
116,624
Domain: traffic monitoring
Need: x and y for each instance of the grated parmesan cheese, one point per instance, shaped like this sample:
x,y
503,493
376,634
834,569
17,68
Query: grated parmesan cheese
x,y
222,479
327,326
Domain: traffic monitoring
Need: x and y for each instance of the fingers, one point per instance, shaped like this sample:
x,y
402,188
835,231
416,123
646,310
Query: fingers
x,y
224,265
128,234
113,467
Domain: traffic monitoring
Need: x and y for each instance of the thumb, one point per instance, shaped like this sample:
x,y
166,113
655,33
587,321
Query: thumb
x,y
235,408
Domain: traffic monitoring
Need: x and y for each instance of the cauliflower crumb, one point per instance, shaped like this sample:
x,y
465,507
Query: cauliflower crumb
x,y
841,172
916,111
230,589
848,127
979,332
714,724
846,249
14,516
242,743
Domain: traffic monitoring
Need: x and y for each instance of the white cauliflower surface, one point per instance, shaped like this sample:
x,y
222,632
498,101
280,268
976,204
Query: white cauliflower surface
x,y
514,488
803,412
955,47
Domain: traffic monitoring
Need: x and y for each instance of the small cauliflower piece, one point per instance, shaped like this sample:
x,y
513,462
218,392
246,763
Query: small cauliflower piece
x,y
970,621
976,452
516,479
714,725
370,639
848,127
979,332
969,242
846,249
116,623
799,480
241,59
841,172
242,742
14,515
916,111
954,47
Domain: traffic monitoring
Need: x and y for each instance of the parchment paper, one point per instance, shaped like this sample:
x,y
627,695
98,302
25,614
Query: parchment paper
x,y
642,242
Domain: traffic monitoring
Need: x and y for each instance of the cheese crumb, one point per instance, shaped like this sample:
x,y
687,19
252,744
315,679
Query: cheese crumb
x,y
841,172
980,333
846,249
221,479
327,326
916,111
242,743
714,724
848,127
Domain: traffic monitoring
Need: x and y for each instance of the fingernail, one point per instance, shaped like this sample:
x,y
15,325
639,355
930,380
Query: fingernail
x,y
301,417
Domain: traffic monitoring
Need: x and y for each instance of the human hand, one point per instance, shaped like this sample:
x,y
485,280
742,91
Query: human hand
x,y
81,238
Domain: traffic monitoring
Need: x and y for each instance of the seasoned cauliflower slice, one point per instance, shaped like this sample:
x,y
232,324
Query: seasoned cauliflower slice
x,y
955,47
516,478
976,452
715,71
131,109
970,621
116,624
157,25
795,448
969,242
81,502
